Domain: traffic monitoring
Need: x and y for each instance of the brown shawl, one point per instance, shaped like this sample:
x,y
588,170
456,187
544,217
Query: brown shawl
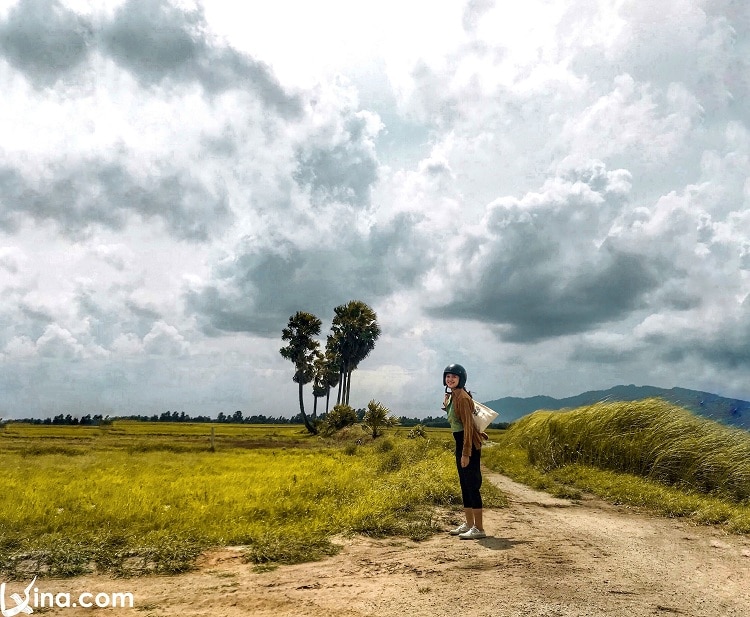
x,y
463,405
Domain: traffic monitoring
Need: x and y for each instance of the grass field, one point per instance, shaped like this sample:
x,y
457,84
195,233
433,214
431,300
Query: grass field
x,y
647,454
134,498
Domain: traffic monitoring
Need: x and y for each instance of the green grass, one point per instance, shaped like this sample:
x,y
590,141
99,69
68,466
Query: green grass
x,y
138,498
647,454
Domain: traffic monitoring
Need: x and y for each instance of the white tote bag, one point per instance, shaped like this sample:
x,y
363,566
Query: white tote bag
x,y
483,416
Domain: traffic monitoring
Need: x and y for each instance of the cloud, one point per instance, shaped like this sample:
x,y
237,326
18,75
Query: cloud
x,y
570,177
160,43
116,255
338,162
11,259
45,40
269,279
544,265
57,342
719,340
79,196
317,241
95,149
164,340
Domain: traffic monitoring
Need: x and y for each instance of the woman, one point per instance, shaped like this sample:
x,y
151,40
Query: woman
x,y
460,407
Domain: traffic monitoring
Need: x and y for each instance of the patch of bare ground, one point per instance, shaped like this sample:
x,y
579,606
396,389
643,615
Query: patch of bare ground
x,y
544,557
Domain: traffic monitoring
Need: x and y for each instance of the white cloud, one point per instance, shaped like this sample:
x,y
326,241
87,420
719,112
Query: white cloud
x,y
164,340
57,342
116,255
12,259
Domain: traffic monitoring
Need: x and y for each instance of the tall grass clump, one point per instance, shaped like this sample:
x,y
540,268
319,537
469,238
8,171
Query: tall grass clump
x,y
650,438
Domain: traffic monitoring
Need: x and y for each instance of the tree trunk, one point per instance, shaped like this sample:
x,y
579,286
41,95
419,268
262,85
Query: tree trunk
x,y
345,393
341,379
348,384
310,427
328,397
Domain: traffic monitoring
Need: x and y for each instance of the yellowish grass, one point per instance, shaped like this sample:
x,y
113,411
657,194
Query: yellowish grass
x,y
645,453
140,498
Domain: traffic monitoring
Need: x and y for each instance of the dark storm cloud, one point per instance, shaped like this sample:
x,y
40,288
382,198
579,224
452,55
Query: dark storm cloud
x,y
726,346
546,266
531,296
155,41
158,42
259,289
106,194
44,40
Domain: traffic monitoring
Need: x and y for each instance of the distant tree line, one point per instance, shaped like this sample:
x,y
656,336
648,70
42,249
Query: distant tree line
x,y
66,420
168,416
234,418
440,422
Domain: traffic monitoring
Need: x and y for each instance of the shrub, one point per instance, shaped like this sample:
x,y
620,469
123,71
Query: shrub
x,y
339,417
377,417
417,431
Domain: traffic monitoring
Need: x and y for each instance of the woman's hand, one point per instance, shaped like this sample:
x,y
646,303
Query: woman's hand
x,y
464,461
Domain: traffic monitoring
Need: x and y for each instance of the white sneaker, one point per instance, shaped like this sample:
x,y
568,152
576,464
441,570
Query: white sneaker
x,y
472,534
463,528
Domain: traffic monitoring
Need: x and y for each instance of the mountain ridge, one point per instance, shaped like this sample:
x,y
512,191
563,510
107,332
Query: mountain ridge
x,y
730,411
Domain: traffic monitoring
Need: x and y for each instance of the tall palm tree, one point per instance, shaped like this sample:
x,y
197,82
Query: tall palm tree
x,y
301,350
353,334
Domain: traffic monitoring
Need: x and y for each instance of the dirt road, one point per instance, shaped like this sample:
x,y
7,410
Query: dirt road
x,y
545,557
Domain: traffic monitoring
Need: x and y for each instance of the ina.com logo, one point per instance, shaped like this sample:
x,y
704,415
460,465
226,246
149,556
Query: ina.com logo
x,y
32,599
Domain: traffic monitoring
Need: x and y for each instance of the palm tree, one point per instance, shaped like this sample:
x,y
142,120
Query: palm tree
x,y
354,332
301,350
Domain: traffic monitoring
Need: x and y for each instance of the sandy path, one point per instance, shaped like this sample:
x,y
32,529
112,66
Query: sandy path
x,y
546,557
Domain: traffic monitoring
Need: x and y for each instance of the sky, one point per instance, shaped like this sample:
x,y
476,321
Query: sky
x,y
554,194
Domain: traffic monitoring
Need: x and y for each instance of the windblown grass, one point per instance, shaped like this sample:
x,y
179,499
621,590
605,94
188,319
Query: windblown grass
x,y
135,502
644,453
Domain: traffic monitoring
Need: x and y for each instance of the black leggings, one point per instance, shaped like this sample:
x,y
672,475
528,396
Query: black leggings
x,y
470,477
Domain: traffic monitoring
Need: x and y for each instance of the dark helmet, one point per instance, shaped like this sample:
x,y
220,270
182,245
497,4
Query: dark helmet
x,y
456,369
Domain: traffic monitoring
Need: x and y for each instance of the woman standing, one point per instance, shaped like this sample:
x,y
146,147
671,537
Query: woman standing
x,y
460,408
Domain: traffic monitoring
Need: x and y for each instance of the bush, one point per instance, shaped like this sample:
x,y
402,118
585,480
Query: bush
x,y
377,417
339,417
417,431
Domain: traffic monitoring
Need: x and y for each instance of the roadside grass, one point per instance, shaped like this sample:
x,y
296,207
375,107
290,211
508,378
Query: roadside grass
x,y
647,454
138,498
